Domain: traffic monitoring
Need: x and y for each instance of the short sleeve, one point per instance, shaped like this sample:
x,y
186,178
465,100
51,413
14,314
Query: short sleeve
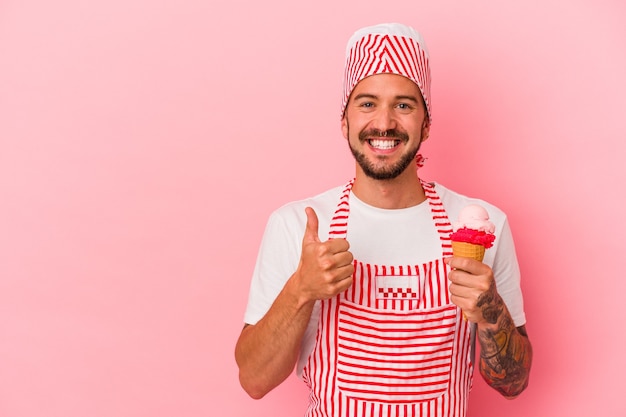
x,y
277,260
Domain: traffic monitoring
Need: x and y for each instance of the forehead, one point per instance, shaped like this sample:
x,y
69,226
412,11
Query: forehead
x,y
387,85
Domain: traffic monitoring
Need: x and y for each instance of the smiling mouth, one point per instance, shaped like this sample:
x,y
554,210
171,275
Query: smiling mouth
x,y
383,144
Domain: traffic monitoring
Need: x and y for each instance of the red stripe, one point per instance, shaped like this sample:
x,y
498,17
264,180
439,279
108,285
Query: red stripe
x,y
400,53
382,368
399,323
325,377
431,286
387,339
357,379
370,287
364,282
332,380
429,385
396,393
436,355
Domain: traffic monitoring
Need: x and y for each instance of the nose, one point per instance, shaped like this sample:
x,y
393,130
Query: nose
x,y
384,119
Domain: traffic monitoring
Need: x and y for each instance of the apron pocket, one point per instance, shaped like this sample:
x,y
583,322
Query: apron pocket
x,y
394,356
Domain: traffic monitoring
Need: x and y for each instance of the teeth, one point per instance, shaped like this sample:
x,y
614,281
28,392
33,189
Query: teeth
x,y
383,144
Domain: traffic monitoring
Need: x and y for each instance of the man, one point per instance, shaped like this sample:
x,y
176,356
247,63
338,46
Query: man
x,y
357,287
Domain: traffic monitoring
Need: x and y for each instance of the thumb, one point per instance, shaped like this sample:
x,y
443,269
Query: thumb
x,y
312,226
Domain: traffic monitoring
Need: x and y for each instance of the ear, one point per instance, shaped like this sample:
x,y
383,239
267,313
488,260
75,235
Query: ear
x,y
344,126
425,129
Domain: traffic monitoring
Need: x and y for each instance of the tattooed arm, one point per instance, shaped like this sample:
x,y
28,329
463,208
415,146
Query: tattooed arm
x,y
505,350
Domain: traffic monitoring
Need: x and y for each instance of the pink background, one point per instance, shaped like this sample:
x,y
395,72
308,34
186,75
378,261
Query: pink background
x,y
144,143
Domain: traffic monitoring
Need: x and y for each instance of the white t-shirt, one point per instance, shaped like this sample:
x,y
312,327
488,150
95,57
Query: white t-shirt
x,y
376,236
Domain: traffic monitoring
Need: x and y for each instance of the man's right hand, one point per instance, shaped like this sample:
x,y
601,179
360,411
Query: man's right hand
x,y
325,268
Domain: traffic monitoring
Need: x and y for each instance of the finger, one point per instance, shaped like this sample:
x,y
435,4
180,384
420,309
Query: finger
x,y
344,277
462,291
464,283
311,232
469,265
459,277
345,273
343,258
337,246
344,284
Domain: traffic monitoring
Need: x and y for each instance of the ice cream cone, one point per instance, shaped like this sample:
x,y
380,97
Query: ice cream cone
x,y
468,250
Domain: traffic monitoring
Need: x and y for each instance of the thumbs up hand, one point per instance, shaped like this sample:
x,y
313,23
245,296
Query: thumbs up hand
x,y
325,268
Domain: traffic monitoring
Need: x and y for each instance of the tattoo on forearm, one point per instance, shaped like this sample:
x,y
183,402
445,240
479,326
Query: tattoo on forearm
x,y
506,353
490,308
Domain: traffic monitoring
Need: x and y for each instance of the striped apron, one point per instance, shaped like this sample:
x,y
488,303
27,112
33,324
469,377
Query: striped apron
x,y
393,344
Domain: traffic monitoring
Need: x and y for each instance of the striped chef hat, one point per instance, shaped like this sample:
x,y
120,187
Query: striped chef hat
x,y
387,48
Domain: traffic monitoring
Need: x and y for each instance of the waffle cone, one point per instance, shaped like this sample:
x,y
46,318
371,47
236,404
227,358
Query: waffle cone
x,y
468,250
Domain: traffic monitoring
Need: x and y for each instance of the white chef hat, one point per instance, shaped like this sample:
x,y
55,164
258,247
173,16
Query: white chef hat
x,y
387,48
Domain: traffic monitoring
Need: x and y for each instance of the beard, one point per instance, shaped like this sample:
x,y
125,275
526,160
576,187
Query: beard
x,y
384,171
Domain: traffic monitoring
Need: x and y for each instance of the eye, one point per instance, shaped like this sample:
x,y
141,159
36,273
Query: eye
x,y
404,106
366,106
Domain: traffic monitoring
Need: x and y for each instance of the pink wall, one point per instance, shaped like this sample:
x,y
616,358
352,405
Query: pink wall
x,y
144,143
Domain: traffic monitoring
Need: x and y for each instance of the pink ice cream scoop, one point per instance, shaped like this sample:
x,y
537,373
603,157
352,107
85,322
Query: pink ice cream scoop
x,y
474,217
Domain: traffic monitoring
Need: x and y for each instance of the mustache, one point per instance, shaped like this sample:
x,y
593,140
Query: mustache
x,y
389,134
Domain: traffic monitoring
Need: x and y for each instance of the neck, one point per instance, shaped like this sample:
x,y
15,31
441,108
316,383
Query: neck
x,y
401,192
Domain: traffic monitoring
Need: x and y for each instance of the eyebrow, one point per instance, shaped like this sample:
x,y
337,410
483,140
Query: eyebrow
x,y
373,96
410,98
